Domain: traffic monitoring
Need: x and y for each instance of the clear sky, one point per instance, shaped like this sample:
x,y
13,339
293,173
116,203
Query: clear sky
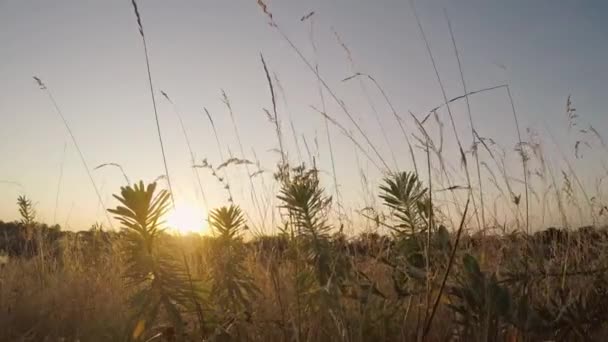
x,y
90,55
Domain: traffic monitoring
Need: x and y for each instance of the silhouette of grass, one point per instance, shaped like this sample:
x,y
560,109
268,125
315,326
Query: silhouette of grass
x,y
44,88
59,180
190,151
160,138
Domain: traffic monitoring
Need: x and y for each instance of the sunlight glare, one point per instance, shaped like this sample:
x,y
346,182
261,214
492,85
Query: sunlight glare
x,y
186,219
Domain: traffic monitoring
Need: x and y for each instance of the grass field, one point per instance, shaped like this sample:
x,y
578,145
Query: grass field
x,y
481,243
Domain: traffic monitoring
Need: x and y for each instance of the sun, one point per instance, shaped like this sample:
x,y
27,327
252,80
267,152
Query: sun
x,y
186,219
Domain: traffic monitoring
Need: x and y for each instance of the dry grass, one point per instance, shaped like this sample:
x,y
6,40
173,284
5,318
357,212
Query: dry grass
x,y
81,294
437,260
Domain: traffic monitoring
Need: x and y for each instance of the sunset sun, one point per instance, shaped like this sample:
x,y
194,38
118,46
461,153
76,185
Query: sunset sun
x,y
187,218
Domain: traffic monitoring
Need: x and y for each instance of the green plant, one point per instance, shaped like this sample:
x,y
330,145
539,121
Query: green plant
x,y
305,202
158,280
405,194
233,288
482,305
32,239
26,210
321,272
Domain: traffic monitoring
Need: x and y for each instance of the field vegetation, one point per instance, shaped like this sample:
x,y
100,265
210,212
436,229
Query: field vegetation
x,y
440,253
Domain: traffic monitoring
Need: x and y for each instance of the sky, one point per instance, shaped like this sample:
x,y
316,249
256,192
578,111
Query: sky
x,y
90,56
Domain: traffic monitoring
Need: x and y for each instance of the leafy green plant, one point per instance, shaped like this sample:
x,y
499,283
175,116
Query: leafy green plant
x,y
404,194
158,280
321,272
421,248
26,210
482,305
28,221
408,198
307,205
233,288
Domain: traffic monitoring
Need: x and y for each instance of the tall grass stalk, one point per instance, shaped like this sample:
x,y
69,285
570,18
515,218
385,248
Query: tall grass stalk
x,y
574,175
254,194
368,98
289,116
463,158
428,236
44,88
503,173
190,151
349,135
310,156
315,71
119,167
267,192
393,111
275,114
524,158
430,145
481,226
524,162
220,151
562,210
116,165
59,180
561,206
160,138
330,147
429,323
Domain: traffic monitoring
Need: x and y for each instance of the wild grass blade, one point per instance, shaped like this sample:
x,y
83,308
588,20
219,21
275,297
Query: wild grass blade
x,y
190,151
158,130
59,180
44,88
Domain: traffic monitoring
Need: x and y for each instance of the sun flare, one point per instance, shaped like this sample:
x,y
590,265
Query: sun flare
x,y
187,218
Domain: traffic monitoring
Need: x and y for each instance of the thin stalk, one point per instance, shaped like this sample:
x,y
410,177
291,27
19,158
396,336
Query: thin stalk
x,y
80,154
576,178
160,138
190,151
447,271
116,165
428,235
394,112
326,120
503,173
254,195
296,241
348,135
460,97
219,149
473,138
525,170
277,123
293,127
65,146
365,92
463,157
265,195
323,82
443,168
310,156
523,158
